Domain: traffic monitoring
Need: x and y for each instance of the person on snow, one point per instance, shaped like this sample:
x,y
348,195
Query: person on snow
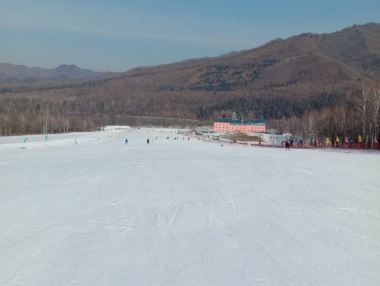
x,y
287,145
147,141
126,140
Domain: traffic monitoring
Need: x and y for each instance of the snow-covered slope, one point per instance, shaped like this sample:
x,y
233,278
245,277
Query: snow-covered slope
x,y
184,212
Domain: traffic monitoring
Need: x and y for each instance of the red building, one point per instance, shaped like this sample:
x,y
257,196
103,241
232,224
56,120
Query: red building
x,y
235,125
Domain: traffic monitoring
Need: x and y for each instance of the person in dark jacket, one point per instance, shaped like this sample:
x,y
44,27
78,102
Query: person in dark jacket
x,y
287,145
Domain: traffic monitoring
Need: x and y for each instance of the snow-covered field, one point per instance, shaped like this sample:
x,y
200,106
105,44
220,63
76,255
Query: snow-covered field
x,y
179,212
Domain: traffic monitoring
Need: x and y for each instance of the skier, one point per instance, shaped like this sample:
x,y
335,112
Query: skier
x,y
147,141
287,146
126,140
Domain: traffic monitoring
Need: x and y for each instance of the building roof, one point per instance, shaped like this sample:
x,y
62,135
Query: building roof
x,y
255,121
237,121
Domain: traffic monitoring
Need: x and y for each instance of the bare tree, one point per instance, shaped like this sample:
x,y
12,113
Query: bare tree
x,y
45,121
375,108
364,105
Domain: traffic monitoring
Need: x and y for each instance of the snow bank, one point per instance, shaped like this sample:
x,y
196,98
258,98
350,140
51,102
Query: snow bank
x,y
115,127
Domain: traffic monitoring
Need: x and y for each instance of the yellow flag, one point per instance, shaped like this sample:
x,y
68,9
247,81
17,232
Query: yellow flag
x,y
337,140
360,139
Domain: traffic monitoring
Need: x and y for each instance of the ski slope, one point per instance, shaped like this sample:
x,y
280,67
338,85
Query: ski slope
x,y
179,212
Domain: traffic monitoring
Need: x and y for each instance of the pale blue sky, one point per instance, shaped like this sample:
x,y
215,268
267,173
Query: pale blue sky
x,y
117,35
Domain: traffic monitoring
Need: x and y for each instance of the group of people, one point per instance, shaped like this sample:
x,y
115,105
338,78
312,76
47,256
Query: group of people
x,y
126,141
148,140
177,138
289,143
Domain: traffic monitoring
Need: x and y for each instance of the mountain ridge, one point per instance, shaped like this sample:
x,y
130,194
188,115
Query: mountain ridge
x,y
65,73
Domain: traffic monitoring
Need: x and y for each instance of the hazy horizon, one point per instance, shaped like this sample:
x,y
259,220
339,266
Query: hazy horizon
x,y
119,35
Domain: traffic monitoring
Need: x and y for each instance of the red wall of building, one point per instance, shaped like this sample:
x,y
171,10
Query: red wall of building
x,y
225,127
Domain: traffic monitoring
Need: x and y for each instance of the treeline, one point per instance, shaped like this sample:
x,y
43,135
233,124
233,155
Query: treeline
x,y
352,122
44,113
271,107
84,108
41,112
46,122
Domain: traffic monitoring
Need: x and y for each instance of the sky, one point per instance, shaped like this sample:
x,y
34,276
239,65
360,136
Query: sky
x,y
117,35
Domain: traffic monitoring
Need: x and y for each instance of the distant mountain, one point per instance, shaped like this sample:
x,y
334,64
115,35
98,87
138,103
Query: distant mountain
x,y
283,78
312,59
23,75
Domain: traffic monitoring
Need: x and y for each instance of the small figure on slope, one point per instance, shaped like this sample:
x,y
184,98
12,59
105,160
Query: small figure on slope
x,y
287,145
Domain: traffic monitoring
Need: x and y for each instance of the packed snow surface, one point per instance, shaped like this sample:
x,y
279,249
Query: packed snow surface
x,y
87,209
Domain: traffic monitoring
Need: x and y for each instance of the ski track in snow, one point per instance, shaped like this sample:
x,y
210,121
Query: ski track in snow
x,y
87,209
